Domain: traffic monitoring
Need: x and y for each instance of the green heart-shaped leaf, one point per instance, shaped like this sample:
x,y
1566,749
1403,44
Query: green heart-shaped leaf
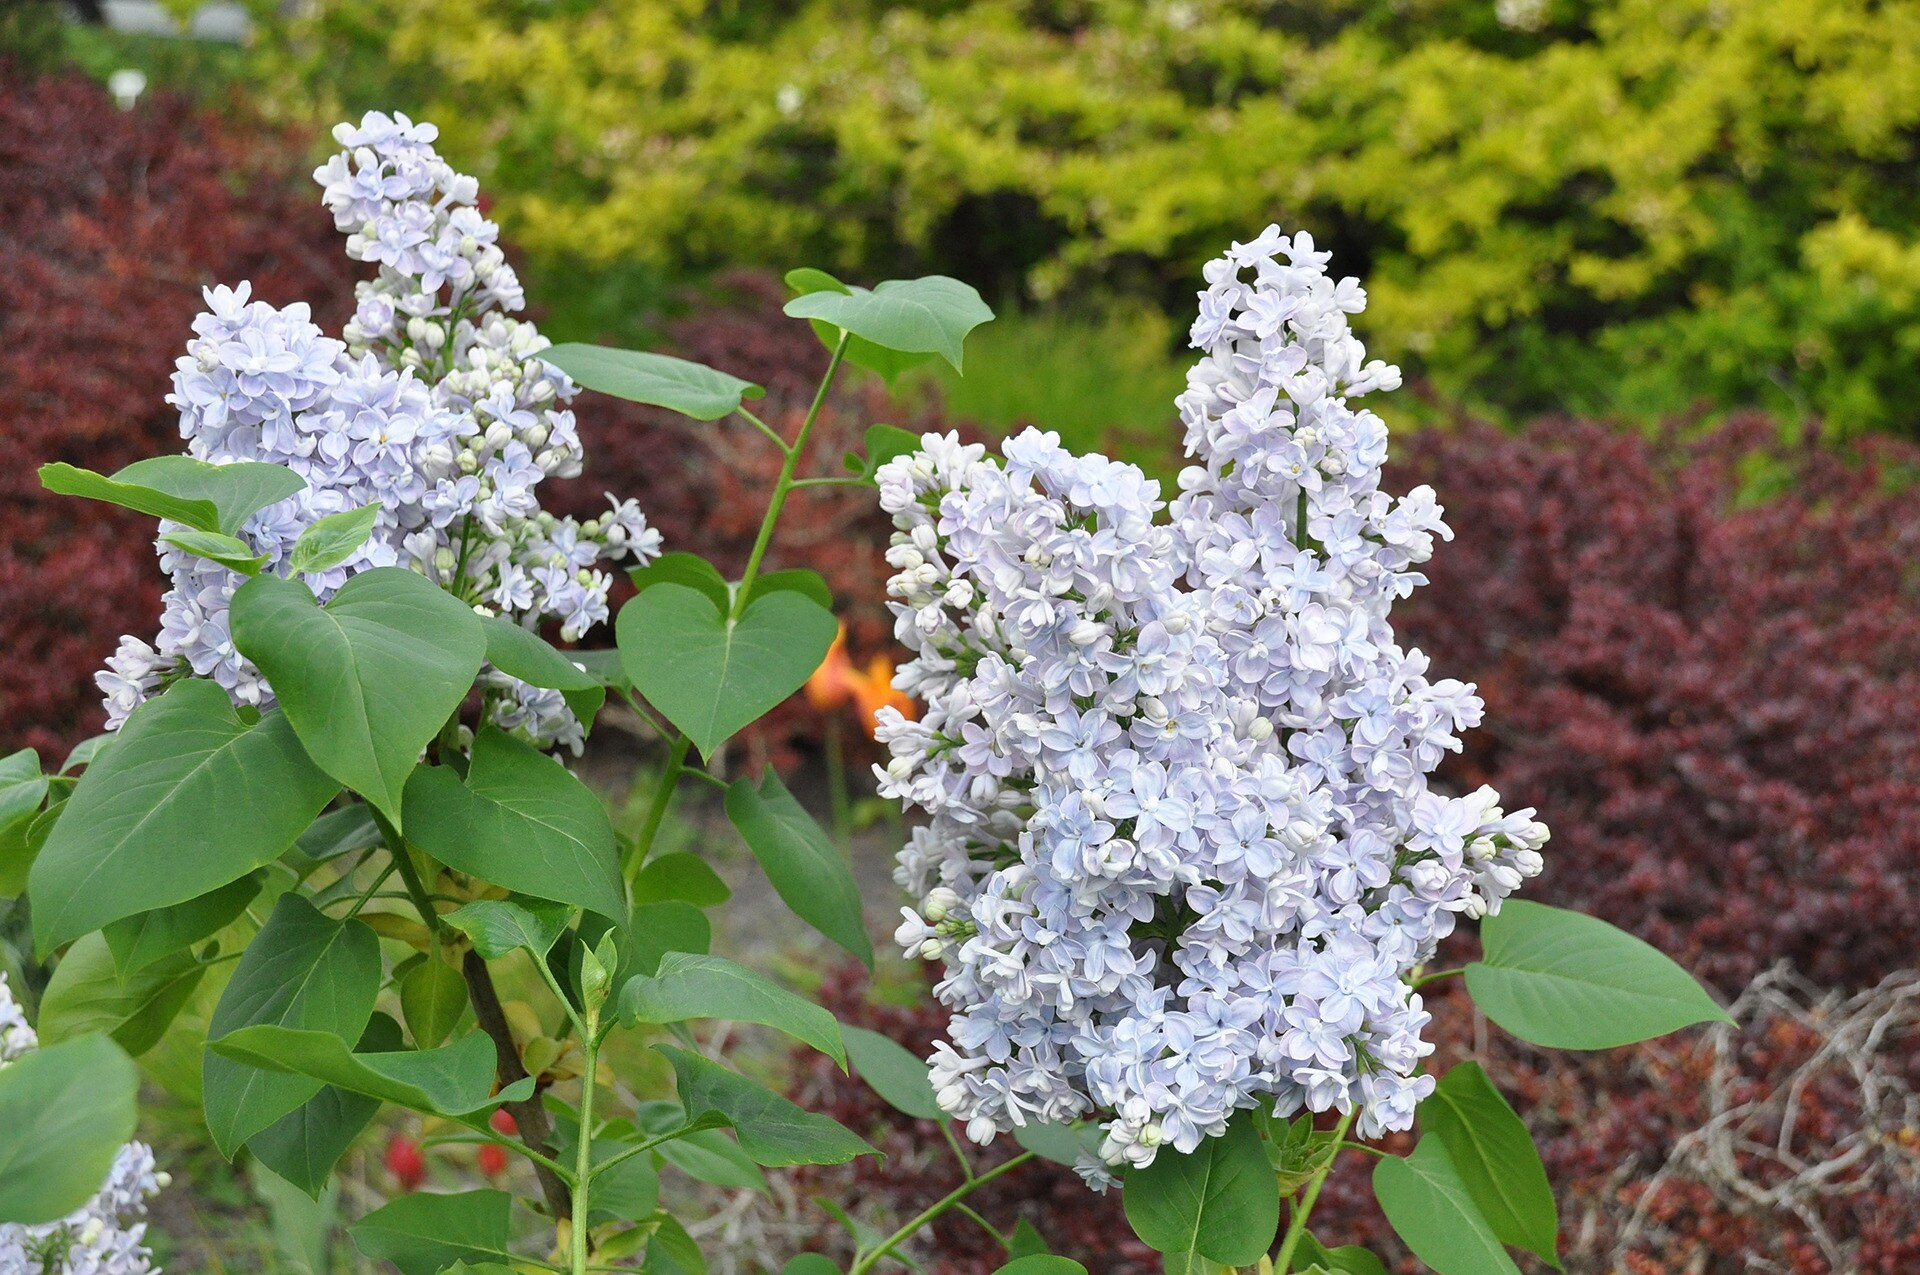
x,y
304,1145
520,820
912,316
711,674
176,808
367,680
860,351
691,389
67,1110
1216,1202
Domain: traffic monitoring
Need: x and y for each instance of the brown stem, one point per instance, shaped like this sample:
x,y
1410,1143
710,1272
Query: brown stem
x,y
535,1129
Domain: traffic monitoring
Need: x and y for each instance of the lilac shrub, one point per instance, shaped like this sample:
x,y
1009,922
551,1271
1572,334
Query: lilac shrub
x,y
1183,853
436,409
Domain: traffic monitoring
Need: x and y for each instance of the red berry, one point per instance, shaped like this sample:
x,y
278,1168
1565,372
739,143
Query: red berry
x,y
404,1161
493,1160
503,1122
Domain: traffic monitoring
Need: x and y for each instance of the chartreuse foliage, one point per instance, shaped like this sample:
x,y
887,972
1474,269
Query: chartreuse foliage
x,y
1567,207
364,936
452,847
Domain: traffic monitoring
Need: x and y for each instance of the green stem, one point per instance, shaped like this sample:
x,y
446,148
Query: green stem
x,y
662,798
1297,1221
410,875
837,783
784,483
967,1211
1435,977
952,1198
371,891
763,427
830,482
583,1153
959,1152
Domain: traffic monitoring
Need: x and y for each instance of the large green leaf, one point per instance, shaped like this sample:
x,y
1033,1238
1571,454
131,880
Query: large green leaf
x,y
453,1080
913,316
893,1073
773,1131
339,832
188,799
860,351
304,1145
671,925
423,1234
1494,1155
1566,980
692,986
521,653
658,380
1217,1202
711,674
237,492
1042,1264
327,542
367,680
22,789
521,820
689,569
498,926
680,876
69,480
66,1109
303,970
146,937
87,995
216,499
1432,1211
707,1155
433,998
807,870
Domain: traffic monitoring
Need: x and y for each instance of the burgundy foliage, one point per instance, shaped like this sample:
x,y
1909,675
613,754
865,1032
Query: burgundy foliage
x,y
111,224
1711,694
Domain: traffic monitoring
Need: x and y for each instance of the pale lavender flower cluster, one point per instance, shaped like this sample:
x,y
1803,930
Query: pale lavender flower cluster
x,y
437,405
1183,854
107,1234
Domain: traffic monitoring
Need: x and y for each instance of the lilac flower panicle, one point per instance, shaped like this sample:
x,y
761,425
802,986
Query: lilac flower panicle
x,y
1182,853
107,1234
434,402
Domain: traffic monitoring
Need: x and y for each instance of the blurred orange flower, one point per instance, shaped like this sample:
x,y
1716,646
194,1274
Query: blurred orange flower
x,y
837,683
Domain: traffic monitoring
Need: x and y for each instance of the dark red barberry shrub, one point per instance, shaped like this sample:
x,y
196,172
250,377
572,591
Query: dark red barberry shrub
x,y
111,224
1701,661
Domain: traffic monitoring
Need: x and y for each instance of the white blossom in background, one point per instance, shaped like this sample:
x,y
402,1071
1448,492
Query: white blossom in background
x,y
1183,854
106,1235
436,404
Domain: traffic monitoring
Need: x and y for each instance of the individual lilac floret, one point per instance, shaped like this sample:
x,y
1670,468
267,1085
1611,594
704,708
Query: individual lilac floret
x,y
1182,853
437,405
107,1234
